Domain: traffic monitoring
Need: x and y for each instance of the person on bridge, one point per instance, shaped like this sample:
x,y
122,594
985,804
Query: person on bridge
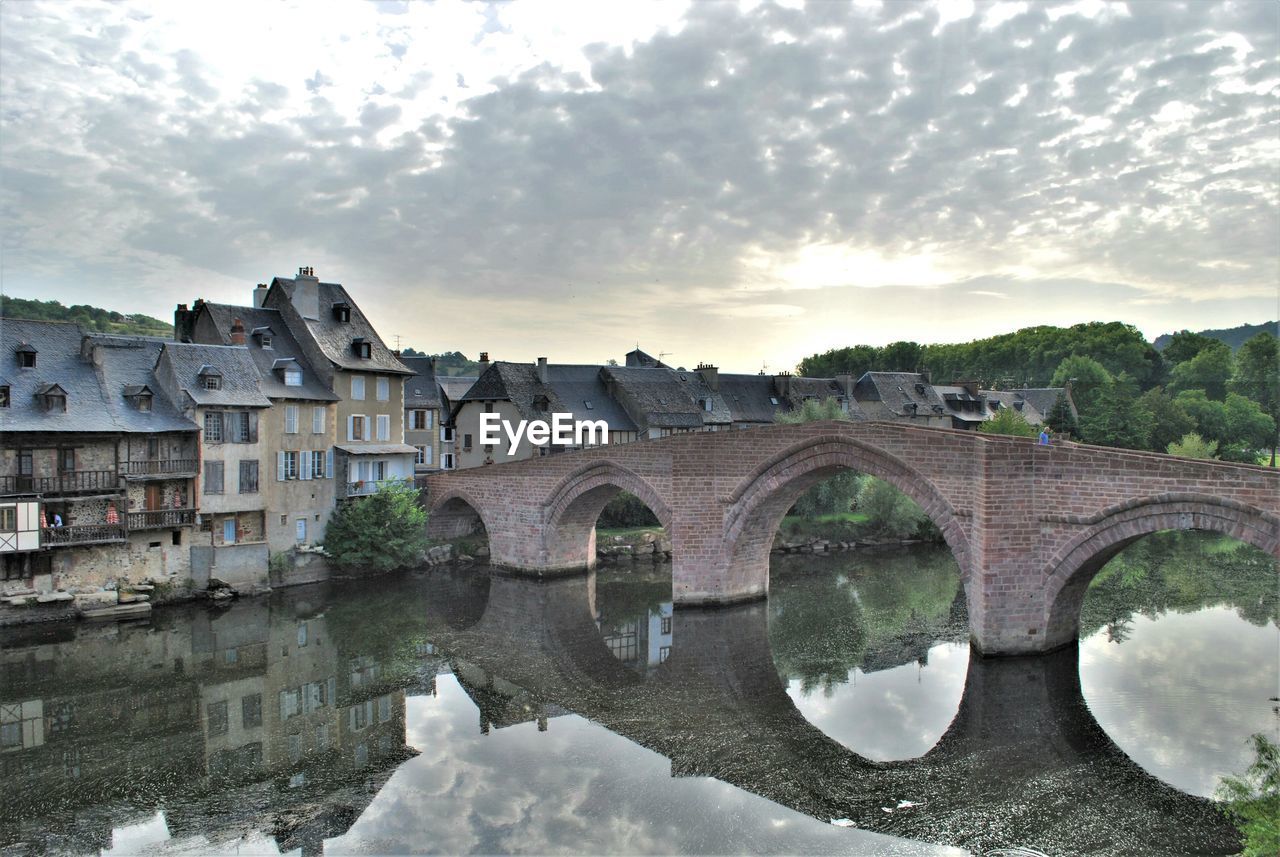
x,y
1044,436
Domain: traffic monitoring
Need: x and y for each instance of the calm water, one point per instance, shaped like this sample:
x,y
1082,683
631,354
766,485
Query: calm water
x,y
463,712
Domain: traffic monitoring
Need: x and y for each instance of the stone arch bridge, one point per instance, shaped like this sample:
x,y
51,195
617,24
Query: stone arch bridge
x,y
1029,525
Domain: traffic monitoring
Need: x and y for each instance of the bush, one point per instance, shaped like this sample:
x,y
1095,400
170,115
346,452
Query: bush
x,y
890,512
378,533
1253,800
1193,446
625,512
1010,422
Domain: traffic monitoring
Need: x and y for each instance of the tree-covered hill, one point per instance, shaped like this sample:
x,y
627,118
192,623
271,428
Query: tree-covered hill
x,y
1233,336
89,317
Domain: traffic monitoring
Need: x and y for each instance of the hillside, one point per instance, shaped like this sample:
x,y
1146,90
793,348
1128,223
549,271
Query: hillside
x,y
89,317
1233,336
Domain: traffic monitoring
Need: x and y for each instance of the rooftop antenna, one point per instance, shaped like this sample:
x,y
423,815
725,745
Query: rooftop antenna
x,y
398,338
662,354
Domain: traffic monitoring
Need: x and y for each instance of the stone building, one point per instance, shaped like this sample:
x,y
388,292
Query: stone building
x,y
89,438
216,386
298,433
422,414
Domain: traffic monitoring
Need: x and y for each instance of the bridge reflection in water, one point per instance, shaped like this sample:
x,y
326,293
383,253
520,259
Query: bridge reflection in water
x,y
1023,762
283,720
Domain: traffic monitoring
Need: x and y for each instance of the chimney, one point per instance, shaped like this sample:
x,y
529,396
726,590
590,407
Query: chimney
x,y
306,293
542,370
782,384
710,376
970,387
484,361
846,381
927,376
259,295
237,332
183,322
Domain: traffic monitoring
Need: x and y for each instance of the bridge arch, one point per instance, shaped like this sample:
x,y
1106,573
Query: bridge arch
x,y
455,514
1073,567
764,496
574,505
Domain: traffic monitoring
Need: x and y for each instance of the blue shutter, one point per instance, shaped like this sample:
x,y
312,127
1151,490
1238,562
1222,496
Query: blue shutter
x,y
328,463
279,466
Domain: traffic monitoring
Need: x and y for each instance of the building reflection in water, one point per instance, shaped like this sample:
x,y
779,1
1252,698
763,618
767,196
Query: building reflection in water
x,y
282,720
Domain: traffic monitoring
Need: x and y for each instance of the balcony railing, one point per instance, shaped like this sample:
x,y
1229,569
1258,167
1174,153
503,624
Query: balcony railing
x,y
161,519
63,483
371,486
86,534
161,467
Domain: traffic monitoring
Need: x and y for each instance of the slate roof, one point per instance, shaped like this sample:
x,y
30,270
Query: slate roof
x,y
955,397
894,391
283,347
700,391
95,395
421,390
654,397
454,387
750,398
568,390
800,389
637,359
240,381
334,337
1043,399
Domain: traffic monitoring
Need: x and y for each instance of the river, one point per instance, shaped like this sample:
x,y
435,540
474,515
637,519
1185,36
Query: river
x,y
468,711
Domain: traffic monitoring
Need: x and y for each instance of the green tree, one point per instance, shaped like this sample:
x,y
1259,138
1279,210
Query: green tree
x,y
855,360
1117,418
1170,421
382,532
1008,421
1193,446
890,512
1252,800
1185,345
1249,429
1210,370
1087,378
1061,420
901,357
1258,377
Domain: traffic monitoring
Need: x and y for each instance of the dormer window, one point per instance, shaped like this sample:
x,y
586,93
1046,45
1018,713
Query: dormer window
x,y
342,311
139,395
263,336
773,400
52,398
210,378
293,377
26,356
362,347
289,371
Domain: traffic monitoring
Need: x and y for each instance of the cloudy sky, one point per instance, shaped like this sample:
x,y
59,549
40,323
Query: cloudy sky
x,y
738,183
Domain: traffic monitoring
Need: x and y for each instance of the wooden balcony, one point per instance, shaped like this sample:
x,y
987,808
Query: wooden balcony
x,y
162,519
160,467
87,534
75,482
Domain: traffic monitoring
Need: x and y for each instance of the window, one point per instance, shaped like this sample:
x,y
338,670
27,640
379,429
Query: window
x,y
356,429
587,402
361,714
289,465
27,357
446,434
302,634
317,420
384,389
251,711
317,464
446,461
211,382
293,377
213,477
213,427
66,460
8,519
384,427
342,312
290,419
420,456
666,624
290,703
362,347
144,403
384,708
244,427
217,712
229,531
4,395
379,470
488,407
249,476
421,420
357,387
55,401
466,442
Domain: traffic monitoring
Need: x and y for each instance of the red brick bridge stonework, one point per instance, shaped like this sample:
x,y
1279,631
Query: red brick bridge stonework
x,y
1029,525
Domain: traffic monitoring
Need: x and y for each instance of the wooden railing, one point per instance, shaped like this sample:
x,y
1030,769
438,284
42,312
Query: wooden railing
x,y
161,519
63,483
85,534
161,467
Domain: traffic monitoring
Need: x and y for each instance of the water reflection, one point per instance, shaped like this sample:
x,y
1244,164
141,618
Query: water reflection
x,y
491,713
